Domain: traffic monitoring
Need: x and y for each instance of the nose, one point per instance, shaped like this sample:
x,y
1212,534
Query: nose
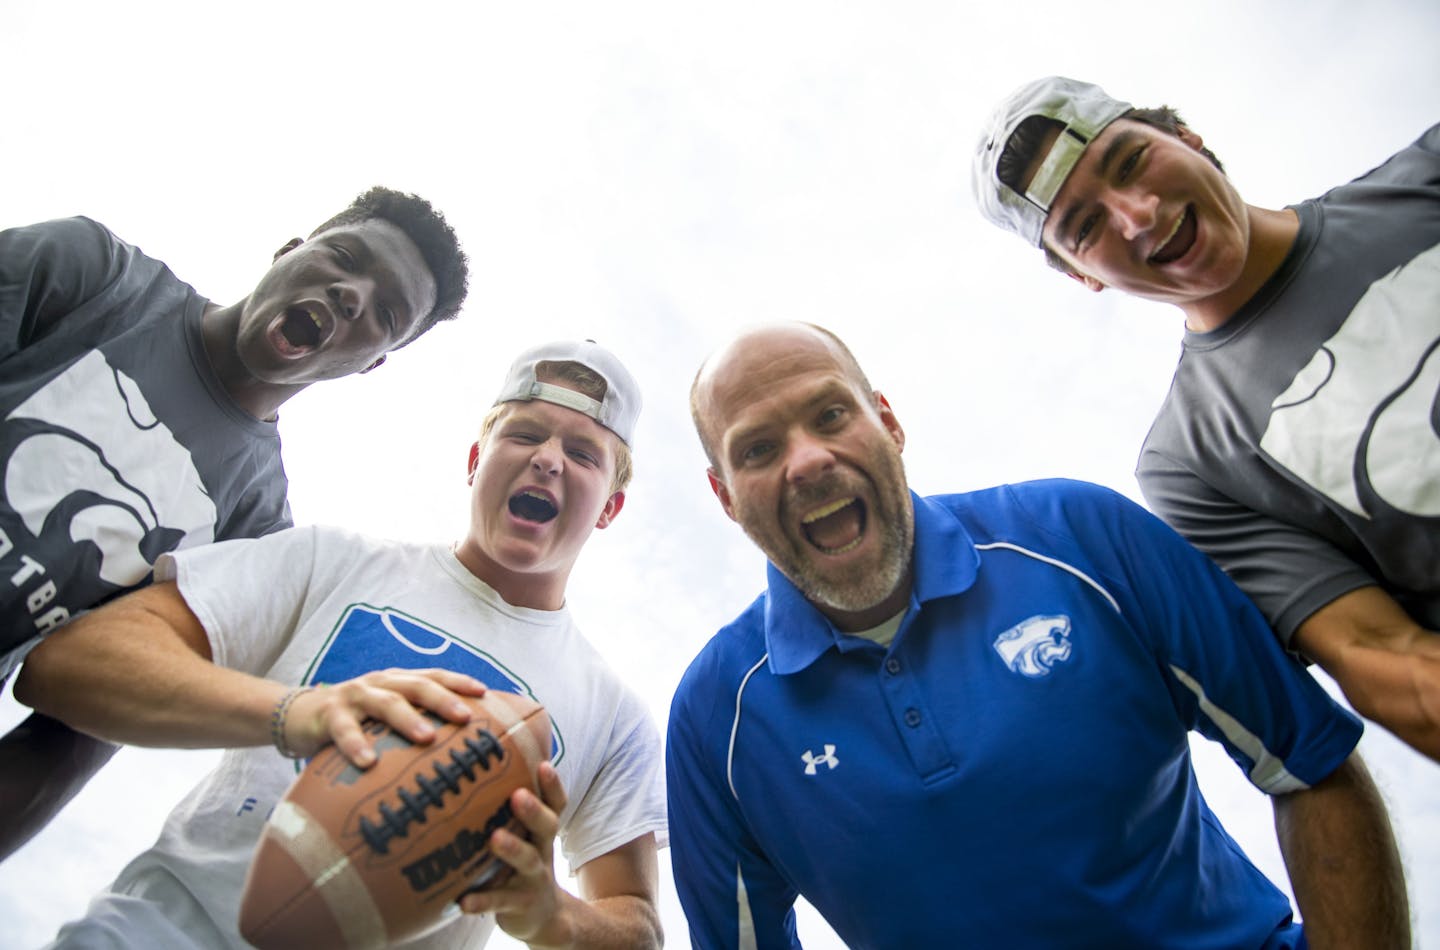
x,y
807,458
547,458
351,297
1133,211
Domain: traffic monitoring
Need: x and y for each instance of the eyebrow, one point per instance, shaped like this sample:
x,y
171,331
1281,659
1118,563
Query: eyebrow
x,y
1112,151
519,416
1067,219
393,289
1118,145
822,393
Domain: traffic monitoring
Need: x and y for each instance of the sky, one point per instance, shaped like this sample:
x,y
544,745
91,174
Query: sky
x,y
657,176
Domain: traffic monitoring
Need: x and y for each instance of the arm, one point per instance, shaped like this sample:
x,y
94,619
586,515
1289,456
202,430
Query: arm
x,y
732,895
616,907
1343,863
43,763
138,671
1289,565
1388,665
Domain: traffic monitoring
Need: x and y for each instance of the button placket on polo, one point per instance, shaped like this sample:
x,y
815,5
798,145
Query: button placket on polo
x,y
914,724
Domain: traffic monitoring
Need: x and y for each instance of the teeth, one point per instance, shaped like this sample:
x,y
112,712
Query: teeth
x,y
826,510
1174,230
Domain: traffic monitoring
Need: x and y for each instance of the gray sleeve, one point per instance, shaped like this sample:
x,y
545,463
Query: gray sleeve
x,y
1287,571
46,272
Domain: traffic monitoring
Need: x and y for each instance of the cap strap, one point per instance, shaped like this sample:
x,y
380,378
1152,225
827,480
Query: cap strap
x,y
568,398
1056,168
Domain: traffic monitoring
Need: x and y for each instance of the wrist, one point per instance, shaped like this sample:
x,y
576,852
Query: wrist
x,y
280,718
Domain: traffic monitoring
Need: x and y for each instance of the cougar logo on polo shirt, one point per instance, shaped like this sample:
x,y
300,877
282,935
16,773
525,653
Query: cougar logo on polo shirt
x,y
1033,647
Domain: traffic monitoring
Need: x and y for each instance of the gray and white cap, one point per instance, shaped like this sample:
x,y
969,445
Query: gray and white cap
x,y
1082,109
617,411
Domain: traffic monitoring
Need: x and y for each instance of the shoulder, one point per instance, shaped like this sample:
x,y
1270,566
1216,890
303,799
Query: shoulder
x,y
1416,164
736,652
320,543
1429,140
61,237
69,260
1044,504
1091,528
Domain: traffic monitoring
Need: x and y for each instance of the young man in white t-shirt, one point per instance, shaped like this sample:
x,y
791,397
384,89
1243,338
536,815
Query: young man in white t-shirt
x,y
229,648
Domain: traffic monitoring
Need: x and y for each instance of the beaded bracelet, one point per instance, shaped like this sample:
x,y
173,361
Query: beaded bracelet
x,y
277,721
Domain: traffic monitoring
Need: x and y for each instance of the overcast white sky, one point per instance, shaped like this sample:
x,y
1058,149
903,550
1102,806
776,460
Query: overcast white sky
x,y
655,176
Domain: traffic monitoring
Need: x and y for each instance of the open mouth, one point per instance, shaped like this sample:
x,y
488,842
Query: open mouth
x,y
532,506
1181,237
837,527
300,327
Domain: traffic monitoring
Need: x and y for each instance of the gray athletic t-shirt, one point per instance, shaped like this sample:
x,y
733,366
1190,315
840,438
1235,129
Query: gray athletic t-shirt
x,y
117,442
1298,444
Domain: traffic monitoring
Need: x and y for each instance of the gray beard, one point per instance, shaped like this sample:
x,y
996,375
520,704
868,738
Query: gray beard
x,y
853,595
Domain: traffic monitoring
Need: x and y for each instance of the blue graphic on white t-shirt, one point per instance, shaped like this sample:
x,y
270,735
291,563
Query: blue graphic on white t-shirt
x,y
376,638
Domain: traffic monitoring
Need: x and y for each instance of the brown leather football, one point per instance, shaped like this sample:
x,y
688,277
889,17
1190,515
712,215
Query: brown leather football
x,y
365,858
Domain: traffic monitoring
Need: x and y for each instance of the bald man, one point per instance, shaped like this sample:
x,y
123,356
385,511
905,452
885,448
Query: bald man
x,y
964,719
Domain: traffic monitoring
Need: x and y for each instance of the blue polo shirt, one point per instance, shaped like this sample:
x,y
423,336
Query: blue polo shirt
x,y
1014,770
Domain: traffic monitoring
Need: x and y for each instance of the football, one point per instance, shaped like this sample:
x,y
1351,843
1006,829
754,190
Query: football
x,y
368,857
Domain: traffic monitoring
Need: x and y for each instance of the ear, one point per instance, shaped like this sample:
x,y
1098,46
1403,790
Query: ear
x,y
375,365
289,246
1090,282
611,510
721,492
888,419
1190,137
471,465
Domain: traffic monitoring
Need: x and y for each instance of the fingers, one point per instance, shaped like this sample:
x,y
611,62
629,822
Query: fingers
x,y
539,814
529,896
552,790
398,698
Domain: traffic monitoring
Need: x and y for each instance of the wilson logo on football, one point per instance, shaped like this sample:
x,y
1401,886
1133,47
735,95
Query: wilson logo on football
x,y
439,864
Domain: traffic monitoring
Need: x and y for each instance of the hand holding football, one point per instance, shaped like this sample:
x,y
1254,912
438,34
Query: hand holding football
x,y
364,858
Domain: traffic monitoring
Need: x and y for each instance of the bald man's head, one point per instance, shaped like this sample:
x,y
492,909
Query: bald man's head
x,y
754,355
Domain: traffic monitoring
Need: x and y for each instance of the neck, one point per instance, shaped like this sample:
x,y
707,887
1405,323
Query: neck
x,y
853,621
219,328
535,591
1272,234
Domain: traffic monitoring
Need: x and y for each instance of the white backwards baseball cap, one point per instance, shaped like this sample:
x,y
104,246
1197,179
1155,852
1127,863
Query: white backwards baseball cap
x,y
617,411
1083,111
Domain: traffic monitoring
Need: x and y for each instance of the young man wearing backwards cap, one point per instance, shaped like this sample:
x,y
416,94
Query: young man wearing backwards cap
x,y
229,647
1296,446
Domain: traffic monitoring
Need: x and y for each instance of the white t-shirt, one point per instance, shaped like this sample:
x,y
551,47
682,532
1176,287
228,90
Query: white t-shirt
x,y
356,604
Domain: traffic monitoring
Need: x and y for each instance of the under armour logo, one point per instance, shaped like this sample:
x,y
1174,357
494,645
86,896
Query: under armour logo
x,y
812,760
